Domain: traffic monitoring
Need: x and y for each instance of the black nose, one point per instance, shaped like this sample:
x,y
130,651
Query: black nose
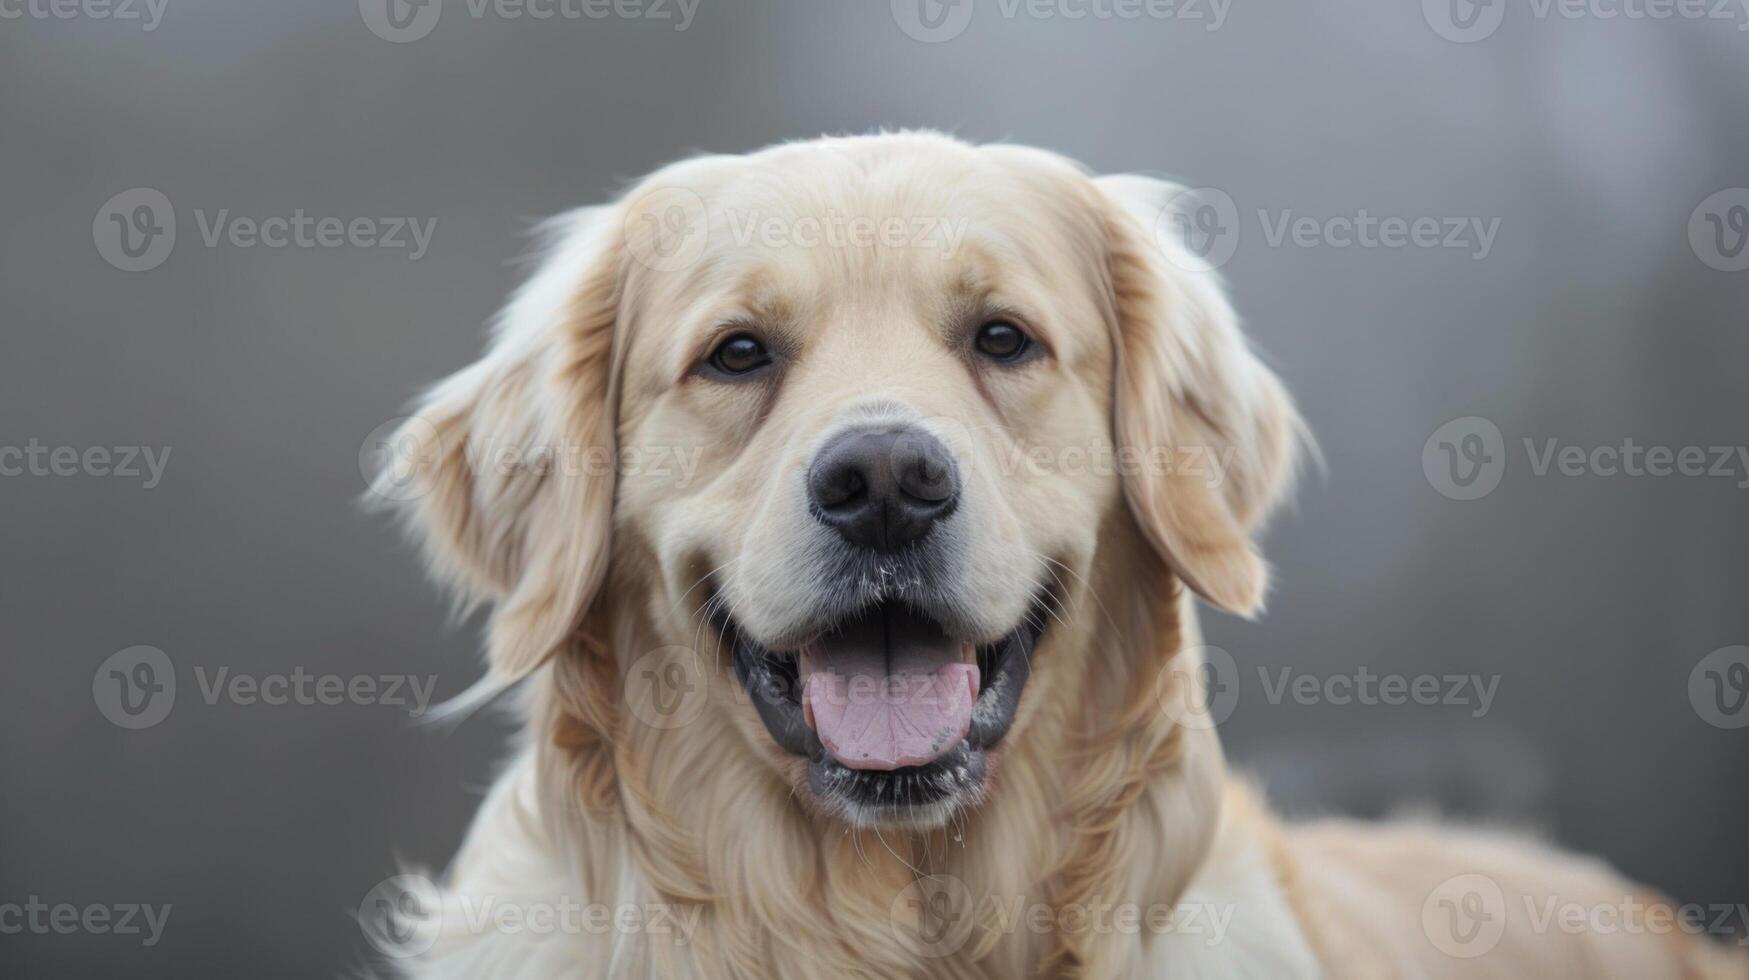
x,y
883,488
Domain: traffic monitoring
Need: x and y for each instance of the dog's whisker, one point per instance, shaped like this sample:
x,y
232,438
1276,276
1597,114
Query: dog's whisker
x,y
705,578
1087,585
913,868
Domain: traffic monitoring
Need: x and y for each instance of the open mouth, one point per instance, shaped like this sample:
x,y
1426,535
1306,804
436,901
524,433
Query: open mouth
x,y
892,712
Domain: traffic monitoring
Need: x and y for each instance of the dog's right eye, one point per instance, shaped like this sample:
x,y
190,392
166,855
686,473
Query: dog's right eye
x,y
738,355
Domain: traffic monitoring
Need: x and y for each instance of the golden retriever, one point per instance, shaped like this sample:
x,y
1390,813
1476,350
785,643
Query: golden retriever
x,y
844,506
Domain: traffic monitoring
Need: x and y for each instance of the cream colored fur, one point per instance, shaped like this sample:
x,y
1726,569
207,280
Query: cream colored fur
x,y
1108,792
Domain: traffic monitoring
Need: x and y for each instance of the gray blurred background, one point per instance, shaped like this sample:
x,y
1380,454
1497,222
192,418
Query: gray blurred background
x,y
1589,602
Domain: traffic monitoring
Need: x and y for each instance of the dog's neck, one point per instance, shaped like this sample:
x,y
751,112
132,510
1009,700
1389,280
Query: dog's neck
x,y
1100,798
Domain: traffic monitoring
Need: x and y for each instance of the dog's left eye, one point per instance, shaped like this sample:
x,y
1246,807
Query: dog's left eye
x,y
1002,341
739,355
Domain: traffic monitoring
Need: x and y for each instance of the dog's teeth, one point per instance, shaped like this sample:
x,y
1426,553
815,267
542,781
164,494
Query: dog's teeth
x,y
805,659
968,652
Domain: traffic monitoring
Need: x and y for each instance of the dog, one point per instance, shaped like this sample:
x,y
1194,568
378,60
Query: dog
x,y
842,509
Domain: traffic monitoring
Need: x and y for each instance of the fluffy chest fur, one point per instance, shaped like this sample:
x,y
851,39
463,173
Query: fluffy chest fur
x,y
519,902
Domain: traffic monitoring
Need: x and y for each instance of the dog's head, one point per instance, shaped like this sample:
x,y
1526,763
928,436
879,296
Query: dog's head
x,y
851,421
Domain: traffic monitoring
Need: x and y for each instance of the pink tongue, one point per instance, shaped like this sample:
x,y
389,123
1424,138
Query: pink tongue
x,y
879,710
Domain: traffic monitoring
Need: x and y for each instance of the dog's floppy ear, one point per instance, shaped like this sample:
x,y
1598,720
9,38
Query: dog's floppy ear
x,y
1213,429
505,470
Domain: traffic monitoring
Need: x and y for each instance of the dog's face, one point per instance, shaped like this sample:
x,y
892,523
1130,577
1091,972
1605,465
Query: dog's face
x,y
873,403
879,514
